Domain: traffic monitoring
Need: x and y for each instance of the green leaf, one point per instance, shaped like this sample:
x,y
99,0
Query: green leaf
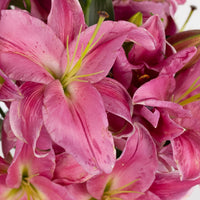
x,y
92,7
137,19
23,4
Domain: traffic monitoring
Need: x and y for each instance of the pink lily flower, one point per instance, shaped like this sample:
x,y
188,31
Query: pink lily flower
x,y
184,97
158,93
61,67
141,65
166,9
132,175
29,177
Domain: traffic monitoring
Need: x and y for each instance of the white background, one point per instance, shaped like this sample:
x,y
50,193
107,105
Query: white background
x,y
194,23
182,13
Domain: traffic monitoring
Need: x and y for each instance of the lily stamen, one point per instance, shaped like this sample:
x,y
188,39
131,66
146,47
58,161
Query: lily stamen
x,y
109,194
182,101
70,72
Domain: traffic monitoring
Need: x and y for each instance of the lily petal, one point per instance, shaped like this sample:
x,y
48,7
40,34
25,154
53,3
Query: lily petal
x,y
187,154
8,90
116,99
66,18
102,56
169,186
68,170
175,62
138,163
27,124
43,49
24,160
4,4
73,124
156,93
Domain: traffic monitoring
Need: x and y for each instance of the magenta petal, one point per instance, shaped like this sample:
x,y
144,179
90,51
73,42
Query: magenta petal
x,y
68,170
78,191
4,4
40,9
139,54
158,93
8,90
43,49
7,137
102,56
24,159
169,186
49,189
167,129
186,149
27,123
79,125
148,196
122,69
138,162
14,64
151,115
160,88
175,62
66,19
116,99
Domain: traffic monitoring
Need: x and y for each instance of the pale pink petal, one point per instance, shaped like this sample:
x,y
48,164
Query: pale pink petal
x,y
40,46
166,160
66,18
78,123
186,149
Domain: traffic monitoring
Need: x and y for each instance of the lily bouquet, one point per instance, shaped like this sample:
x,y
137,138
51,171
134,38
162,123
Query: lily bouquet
x,y
99,107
